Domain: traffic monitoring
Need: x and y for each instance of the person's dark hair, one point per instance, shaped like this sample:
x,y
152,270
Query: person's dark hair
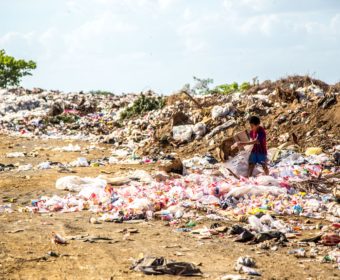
x,y
254,120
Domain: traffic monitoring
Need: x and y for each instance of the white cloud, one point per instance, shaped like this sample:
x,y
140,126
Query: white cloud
x,y
13,36
335,24
165,4
241,5
264,24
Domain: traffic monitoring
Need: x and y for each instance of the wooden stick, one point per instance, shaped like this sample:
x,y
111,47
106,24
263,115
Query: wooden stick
x,y
232,173
192,99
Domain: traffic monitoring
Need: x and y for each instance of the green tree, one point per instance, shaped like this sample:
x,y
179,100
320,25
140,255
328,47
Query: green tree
x,y
12,70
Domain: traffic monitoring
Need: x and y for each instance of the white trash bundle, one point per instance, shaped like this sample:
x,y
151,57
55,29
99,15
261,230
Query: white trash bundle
x,y
219,111
239,164
44,165
199,130
76,183
15,155
80,162
182,133
255,190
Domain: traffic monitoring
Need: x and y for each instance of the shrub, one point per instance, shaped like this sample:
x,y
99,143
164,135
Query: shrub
x,y
141,105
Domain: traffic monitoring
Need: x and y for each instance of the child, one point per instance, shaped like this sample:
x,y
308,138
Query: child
x,y
259,151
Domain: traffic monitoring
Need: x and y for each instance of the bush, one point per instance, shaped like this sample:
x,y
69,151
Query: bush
x,y
231,88
141,105
12,70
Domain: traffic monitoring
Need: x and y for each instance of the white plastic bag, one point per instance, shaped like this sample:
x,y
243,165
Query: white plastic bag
x,y
44,165
25,167
15,155
182,133
267,181
219,111
239,164
80,162
76,183
256,224
255,190
199,130
141,175
70,148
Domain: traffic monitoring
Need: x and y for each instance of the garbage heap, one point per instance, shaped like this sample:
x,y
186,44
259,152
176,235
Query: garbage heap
x,y
257,210
297,109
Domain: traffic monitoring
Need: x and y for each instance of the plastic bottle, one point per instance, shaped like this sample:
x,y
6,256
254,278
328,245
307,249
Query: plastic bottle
x,y
297,209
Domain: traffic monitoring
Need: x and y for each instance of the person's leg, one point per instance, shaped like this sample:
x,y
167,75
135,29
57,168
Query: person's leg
x,y
251,167
265,168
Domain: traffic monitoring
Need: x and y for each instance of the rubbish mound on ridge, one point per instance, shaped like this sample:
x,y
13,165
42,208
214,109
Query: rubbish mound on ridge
x,y
296,109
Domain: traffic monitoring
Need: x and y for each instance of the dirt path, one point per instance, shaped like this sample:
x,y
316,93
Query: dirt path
x,y
25,237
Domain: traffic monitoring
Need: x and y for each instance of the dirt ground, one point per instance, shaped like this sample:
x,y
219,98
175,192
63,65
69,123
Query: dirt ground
x,y
25,237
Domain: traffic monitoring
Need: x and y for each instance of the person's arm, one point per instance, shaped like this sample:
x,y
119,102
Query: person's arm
x,y
248,143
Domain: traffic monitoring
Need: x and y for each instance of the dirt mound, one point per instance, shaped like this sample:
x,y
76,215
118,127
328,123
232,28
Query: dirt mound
x,y
299,109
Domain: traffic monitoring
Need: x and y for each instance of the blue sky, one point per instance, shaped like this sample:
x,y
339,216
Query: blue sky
x,y
134,45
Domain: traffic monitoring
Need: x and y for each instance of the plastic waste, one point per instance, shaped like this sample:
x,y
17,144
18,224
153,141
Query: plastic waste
x,y
80,162
70,148
256,225
255,190
239,163
199,130
15,155
44,165
25,167
182,133
313,151
76,183
219,111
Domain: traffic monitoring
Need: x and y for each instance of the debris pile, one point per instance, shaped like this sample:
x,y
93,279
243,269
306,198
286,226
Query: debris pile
x,y
199,176
297,109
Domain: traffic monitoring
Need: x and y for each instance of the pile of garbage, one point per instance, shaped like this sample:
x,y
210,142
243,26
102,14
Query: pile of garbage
x,y
297,109
204,185
200,176
258,207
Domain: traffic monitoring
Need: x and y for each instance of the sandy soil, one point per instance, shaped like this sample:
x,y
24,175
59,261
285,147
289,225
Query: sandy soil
x,y
25,237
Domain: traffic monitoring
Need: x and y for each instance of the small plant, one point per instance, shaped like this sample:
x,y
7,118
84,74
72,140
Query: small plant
x,y
12,70
244,86
141,105
231,88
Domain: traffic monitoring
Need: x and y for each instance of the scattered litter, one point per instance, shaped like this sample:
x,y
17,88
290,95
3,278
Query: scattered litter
x,y
58,239
161,266
15,155
25,167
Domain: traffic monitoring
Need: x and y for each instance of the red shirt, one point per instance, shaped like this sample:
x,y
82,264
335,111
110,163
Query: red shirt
x,y
260,136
